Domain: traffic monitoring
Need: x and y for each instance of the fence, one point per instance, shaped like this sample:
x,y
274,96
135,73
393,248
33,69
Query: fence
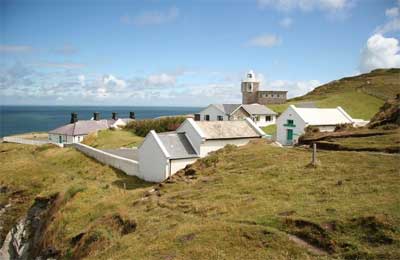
x,y
20,140
128,166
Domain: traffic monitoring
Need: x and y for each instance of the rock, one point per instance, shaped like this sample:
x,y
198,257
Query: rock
x,y
190,172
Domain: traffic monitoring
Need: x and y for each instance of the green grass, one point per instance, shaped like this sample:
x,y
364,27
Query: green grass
x,y
237,206
270,130
361,96
107,139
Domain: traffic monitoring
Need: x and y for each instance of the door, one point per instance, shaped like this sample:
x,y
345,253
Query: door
x,y
289,135
60,139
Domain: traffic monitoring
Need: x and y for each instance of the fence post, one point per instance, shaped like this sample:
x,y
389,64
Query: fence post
x,y
314,155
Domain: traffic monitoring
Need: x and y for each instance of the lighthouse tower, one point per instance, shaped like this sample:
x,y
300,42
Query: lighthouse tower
x,y
250,86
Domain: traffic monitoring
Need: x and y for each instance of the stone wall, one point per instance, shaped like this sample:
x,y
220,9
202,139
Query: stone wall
x,y
19,140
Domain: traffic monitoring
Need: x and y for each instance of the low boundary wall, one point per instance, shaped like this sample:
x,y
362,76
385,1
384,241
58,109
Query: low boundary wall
x,y
19,140
128,166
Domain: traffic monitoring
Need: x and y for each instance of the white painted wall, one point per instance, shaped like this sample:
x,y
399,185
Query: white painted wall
x,y
153,162
128,166
66,138
178,164
193,136
213,145
213,112
262,122
281,130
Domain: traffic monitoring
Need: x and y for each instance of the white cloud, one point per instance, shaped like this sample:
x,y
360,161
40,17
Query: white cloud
x,y
15,48
112,81
82,80
392,12
161,79
152,17
306,5
286,22
380,52
267,41
294,88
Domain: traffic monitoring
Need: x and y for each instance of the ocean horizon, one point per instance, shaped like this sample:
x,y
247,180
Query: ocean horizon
x,y
19,119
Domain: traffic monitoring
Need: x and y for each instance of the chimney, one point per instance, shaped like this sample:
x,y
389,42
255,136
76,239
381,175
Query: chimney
x,y
132,115
114,115
74,117
196,117
96,116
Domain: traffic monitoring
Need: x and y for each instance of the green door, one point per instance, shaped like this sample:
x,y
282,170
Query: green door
x,y
60,139
289,134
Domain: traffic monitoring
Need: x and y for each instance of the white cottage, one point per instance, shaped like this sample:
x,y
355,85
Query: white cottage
x,y
292,122
162,155
260,114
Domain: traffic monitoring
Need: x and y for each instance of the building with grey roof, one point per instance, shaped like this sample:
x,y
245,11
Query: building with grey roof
x,y
163,154
260,114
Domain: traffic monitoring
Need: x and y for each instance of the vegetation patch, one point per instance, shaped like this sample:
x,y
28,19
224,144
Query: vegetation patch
x,y
165,124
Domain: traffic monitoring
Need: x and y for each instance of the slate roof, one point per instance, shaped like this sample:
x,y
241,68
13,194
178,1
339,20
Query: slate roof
x,y
257,109
177,145
227,129
83,127
227,108
323,116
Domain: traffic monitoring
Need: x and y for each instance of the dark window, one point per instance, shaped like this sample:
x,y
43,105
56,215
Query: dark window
x,y
290,122
220,118
258,118
267,118
207,117
196,117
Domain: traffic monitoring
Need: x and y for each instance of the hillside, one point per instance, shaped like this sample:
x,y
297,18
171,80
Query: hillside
x,y
361,96
252,202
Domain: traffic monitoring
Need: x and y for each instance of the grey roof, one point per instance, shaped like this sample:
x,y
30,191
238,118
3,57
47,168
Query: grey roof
x,y
227,108
177,145
227,129
83,127
257,109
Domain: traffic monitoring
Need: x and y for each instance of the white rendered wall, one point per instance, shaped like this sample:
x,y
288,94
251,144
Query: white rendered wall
x,y
262,122
178,164
213,112
128,166
153,163
281,133
193,136
213,145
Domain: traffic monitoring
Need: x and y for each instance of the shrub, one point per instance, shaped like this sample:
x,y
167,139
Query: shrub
x,y
343,127
143,127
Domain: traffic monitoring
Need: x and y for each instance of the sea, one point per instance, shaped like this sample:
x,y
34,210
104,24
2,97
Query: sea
x,y
24,119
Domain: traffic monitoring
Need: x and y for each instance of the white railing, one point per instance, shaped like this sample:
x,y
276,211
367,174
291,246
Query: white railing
x,y
19,140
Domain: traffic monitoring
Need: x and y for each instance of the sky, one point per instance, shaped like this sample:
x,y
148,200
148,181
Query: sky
x,y
186,53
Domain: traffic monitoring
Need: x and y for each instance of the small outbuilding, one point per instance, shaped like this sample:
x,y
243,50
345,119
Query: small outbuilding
x,y
292,122
163,154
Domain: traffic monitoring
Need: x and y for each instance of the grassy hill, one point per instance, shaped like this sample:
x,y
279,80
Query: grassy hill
x,y
361,96
252,202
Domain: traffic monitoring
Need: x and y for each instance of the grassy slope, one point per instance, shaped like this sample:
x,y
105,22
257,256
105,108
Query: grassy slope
x,y
358,97
233,210
113,139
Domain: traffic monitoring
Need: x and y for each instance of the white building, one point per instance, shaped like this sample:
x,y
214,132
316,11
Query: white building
x,y
78,129
292,122
260,114
162,155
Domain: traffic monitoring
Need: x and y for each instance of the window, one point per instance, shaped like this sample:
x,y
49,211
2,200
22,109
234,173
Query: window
x,y
267,118
249,75
249,87
290,122
257,118
207,117
220,118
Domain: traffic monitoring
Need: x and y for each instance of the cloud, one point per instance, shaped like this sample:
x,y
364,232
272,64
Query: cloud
x,y
294,88
66,50
392,12
380,52
60,65
152,17
161,79
286,22
112,81
267,41
306,5
15,49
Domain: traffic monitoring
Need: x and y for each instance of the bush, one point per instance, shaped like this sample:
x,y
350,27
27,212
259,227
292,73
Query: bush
x,y
343,127
311,130
143,127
